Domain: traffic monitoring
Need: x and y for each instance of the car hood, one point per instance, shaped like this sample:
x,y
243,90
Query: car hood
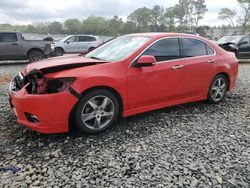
x,y
60,63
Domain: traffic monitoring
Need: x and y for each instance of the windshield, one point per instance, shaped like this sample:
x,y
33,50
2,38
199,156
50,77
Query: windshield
x,y
119,48
237,40
64,39
226,39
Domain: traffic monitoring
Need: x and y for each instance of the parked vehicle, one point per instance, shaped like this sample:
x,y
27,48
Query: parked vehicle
x,y
13,46
128,75
240,46
76,44
226,39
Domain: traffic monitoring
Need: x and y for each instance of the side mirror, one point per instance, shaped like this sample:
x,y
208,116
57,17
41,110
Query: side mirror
x,y
68,42
146,61
243,42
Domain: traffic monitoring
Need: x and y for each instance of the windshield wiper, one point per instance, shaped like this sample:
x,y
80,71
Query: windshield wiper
x,y
95,58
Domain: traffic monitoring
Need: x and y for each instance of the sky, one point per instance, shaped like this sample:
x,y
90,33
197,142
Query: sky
x,y
32,11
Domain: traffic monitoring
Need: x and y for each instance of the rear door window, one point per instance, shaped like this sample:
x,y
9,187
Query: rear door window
x,y
8,37
210,51
193,47
86,39
165,49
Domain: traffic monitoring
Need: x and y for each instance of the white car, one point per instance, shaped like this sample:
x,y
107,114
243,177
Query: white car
x,y
76,44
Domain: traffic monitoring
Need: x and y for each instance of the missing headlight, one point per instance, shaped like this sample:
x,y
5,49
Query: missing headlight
x,y
59,85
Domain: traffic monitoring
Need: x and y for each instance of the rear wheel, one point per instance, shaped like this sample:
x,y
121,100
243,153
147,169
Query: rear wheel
x,y
96,111
35,56
58,52
218,89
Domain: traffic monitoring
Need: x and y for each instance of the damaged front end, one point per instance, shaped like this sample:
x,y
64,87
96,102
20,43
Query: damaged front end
x,y
35,82
41,101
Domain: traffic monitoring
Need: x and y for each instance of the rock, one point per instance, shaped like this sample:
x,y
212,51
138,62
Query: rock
x,y
219,179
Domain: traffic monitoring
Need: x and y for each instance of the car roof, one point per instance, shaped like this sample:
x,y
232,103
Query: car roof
x,y
161,34
7,31
81,35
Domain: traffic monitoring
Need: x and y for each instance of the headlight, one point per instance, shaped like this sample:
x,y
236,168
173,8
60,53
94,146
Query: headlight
x,y
59,85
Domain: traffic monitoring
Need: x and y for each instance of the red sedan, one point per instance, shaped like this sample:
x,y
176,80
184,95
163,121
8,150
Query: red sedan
x,y
129,75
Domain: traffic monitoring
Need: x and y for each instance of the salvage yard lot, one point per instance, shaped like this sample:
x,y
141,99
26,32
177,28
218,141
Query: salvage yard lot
x,y
191,145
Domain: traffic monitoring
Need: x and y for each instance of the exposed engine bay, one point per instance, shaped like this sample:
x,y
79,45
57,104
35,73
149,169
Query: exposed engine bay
x,y
37,83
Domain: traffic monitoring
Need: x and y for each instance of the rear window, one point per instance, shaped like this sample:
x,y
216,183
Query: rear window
x,y
8,37
86,39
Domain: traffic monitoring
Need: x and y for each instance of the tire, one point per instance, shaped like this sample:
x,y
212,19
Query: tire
x,y
35,55
58,52
96,111
218,89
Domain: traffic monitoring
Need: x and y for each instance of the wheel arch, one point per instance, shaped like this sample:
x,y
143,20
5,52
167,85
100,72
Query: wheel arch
x,y
226,75
108,88
60,47
34,49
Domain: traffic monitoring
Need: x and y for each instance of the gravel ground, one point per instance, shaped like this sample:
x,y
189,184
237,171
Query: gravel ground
x,y
191,145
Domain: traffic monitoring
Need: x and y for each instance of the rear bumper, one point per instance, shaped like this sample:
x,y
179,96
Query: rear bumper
x,y
52,110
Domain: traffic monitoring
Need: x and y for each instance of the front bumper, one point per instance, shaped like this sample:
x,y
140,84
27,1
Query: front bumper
x,y
52,110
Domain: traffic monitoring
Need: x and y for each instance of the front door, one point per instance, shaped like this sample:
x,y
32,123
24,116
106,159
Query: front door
x,y
161,83
72,44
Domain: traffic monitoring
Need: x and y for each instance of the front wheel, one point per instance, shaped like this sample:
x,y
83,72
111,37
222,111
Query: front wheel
x,y
218,89
58,52
96,111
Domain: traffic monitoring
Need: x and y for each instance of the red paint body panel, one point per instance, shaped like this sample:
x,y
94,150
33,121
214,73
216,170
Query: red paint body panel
x,y
52,110
140,88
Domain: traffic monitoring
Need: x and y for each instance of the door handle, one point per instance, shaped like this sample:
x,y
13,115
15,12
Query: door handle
x,y
176,67
14,43
210,61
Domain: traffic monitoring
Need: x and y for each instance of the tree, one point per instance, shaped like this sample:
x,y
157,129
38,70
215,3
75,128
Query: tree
x,y
129,27
95,25
200,9
55,28
169,18
115,26
157,17
179,12
245,6
72,26
141,17
228,15
188,8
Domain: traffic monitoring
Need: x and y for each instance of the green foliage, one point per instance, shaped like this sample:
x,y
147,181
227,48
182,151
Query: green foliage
x,y
183,16
141,17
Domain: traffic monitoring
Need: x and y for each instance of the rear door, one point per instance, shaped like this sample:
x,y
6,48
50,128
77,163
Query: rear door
x,y
199,61
86,42
244,47
10,47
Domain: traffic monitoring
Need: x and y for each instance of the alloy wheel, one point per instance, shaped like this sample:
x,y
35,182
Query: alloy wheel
x,y
98,112
218,89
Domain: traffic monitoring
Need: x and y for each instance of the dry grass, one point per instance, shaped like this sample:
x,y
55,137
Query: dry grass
x,y
5,78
